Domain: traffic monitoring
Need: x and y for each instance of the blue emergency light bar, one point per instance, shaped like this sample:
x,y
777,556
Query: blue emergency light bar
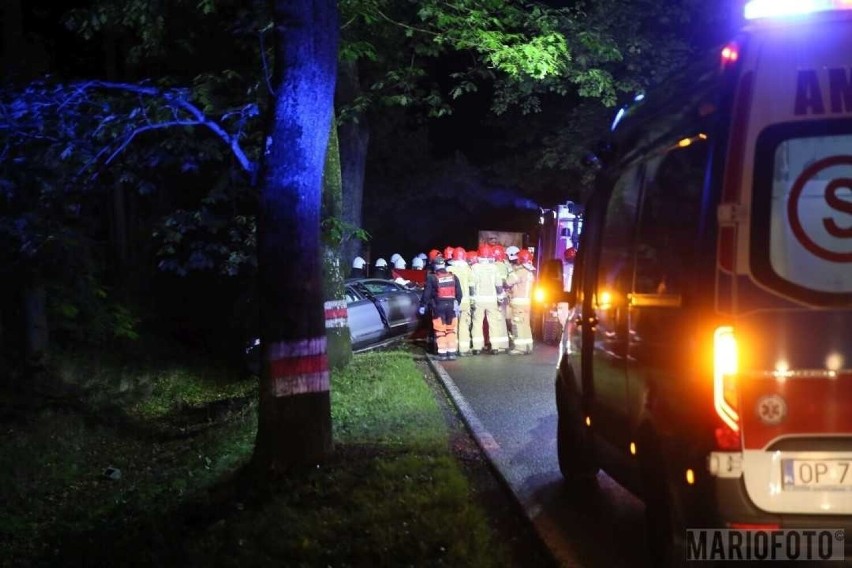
x,y
757,9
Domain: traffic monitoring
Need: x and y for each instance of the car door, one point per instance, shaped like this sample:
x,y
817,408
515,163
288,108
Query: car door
x,y
365,323
609,290
399,306
660,325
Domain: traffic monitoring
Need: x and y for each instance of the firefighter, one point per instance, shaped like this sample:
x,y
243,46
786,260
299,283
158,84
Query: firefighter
x,y
398,271
442,295
520,284
512,255
357,270
461,269
448,254
417,263
486,296
503,268
433,254
382,270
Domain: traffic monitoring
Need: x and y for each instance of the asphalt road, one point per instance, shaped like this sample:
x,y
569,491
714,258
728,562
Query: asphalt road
x,y
508,403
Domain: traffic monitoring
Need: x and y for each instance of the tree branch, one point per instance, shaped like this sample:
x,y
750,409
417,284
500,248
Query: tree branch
x,y
404,25
175,100
266,73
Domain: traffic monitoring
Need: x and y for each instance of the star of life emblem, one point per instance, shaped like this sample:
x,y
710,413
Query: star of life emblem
x,y
771,409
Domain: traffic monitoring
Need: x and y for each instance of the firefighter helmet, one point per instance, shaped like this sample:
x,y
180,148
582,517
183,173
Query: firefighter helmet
x,y
381,263
570,253
524,256
417,263
499,252
439,263
395,257
399,263
358,262
448,253
512,252
459,254
485,251
433,253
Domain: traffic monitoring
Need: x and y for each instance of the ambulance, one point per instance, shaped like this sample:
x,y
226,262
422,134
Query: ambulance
x,y
706,364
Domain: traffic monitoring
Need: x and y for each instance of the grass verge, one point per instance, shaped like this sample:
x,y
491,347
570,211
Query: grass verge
x,y
151,475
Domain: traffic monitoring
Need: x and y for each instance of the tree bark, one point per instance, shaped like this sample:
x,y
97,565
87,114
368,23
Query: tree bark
x,y
336,316
294,425
354,136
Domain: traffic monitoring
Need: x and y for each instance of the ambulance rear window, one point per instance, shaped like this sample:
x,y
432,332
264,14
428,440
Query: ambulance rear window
x,y
802,211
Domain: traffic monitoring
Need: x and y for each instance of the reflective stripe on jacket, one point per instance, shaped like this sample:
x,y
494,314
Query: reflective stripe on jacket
x,y
446,286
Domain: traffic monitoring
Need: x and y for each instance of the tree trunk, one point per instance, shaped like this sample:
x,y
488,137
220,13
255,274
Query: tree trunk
x,y
336,318
294,426
354,137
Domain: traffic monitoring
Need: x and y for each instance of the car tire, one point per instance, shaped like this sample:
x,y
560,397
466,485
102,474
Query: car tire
x,y
550,330
573,443
664,519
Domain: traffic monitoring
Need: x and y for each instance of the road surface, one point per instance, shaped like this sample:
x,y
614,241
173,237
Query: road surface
x,y
508,403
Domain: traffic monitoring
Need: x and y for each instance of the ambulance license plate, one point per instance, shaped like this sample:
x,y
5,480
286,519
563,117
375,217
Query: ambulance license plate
x,y
825,475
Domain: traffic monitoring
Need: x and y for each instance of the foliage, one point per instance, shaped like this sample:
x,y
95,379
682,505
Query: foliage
x,y
71,146
550,75
336,230
216,236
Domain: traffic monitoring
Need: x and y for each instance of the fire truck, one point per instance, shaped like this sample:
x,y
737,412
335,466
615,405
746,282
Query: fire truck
x,y
558,239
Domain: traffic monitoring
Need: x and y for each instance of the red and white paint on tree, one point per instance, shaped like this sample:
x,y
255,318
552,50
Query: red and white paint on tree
x,y
336,314
298,367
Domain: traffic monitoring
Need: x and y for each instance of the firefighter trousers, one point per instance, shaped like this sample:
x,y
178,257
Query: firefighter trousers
x,y
464,327
522,331
497,333
445,335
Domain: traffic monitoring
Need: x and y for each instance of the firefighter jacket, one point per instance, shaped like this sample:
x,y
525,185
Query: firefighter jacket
x,y
462,270
441,293
503,269
486,282
520,283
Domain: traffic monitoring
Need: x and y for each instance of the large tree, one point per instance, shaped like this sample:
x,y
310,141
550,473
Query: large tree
x,y
295,408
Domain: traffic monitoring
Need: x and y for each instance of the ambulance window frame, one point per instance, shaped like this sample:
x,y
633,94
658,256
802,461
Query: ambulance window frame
x,y
759,258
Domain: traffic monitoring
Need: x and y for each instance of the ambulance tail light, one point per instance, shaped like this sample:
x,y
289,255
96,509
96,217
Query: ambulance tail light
x,y
725,363
761,9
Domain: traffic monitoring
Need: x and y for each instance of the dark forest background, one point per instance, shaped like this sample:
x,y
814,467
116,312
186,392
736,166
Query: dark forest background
x,y
118,222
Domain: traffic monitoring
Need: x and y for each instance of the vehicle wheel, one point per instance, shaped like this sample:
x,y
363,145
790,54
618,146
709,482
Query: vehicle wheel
x,y
550,331
573,446
664,521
